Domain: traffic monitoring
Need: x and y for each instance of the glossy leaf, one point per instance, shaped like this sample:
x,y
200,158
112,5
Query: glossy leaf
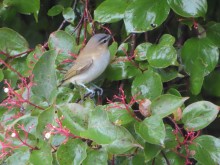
x,y
200,56
115,139
213,33
97,157
165,105
45,76
69,14
75,117
55,10
23,6
206,149
20,157
73,152
107,12
11,42
1,75
42,155
144,15
118,114
45,118
147,130
162,54
211,84
62,42
151,151
121,69
147,85
198,115
189,8
141,51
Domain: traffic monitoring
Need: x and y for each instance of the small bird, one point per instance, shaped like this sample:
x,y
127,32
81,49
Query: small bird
x,y
90,63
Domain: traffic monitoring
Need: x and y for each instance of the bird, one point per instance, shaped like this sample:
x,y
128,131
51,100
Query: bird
x,y
91,62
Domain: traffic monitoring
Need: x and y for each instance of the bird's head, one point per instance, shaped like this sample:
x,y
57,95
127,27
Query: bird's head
x,y
98,41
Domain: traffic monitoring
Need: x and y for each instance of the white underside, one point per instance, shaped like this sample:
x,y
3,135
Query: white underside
x,y
97,68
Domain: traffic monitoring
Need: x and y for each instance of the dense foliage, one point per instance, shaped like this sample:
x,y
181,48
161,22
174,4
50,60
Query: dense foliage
x,y
161,89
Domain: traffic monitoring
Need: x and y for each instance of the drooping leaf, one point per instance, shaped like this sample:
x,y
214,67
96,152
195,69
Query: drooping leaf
x,y
45,76
189,8
198,115
73,152
144,15
200,56
147,85
11,42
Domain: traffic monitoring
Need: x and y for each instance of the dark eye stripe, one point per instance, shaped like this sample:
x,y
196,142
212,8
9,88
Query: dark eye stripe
x,y
103,38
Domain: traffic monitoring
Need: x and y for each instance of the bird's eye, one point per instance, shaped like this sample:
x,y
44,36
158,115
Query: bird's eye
x,y
104,41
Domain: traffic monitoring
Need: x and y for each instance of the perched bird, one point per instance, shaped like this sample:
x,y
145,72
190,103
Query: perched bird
x,y
90,63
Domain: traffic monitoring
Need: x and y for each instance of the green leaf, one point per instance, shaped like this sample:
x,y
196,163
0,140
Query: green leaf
x,y
46,117
20,157
1,75
147,85
45,76
69,15
44,154
24,6
62,42
96,157
34,56
200,56
20,65
166,104
11,42
55,10
121,69
211,84
206,149
160,55
107,12
73,152
147,130
163,54
117,113
213,33
115,139
198,115
144,15
189,8
75,117
141,51
151,151
168,74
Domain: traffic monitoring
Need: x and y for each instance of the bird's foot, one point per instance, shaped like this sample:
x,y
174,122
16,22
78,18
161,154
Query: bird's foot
x,y
97,90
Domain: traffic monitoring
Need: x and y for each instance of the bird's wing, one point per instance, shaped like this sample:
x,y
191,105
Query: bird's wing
x,y
78,68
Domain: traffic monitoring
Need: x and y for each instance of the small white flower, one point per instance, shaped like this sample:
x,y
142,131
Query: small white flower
x,y
6,90
47,135
13,134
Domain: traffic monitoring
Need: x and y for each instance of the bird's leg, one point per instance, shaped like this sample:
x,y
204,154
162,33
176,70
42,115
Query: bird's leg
x,y
98,89
88,90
